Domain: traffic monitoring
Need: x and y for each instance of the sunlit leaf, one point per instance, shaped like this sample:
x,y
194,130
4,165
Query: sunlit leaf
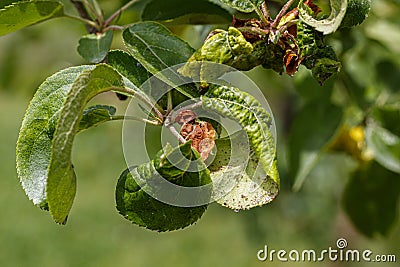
x,y
156,49
22,14
239,182
224,47
37,130
61,180
255,120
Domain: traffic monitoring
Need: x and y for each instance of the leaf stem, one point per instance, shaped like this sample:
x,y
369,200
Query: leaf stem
x,y
287,25
95,10
119,11
134,118
142,97
281,13
176,133
169,102
114,28
261,15
91,26
84,16
254,30
265,11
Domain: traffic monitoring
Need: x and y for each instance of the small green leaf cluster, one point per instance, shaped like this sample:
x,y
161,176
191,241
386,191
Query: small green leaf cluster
x,y
293,38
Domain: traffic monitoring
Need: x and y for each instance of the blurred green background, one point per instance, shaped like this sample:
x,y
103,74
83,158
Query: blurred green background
x,y
96,235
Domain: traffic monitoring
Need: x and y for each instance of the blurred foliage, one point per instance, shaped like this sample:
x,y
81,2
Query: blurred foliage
x,y
310,218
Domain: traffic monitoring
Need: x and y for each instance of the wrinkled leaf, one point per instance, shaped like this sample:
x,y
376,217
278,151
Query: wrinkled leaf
x,y
313,128
156,49
243,5
255,120
371,199
328,25
239,183
228,48
94,47
357,11
142,209
61,180
186,12
317,56
96,115
22,14
324,68
274,58
36,133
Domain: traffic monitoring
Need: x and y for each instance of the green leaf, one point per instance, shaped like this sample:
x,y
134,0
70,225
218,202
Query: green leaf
x,y
186,12
22,14
228,48
36,133
244,185
243,5
371,199
5,3
156,49
96,115
357,11
61,180
255,120
312,130
128,66
382,135
142,209
317,56
387,117
324,68
274,55
94,47
328,25
384,145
